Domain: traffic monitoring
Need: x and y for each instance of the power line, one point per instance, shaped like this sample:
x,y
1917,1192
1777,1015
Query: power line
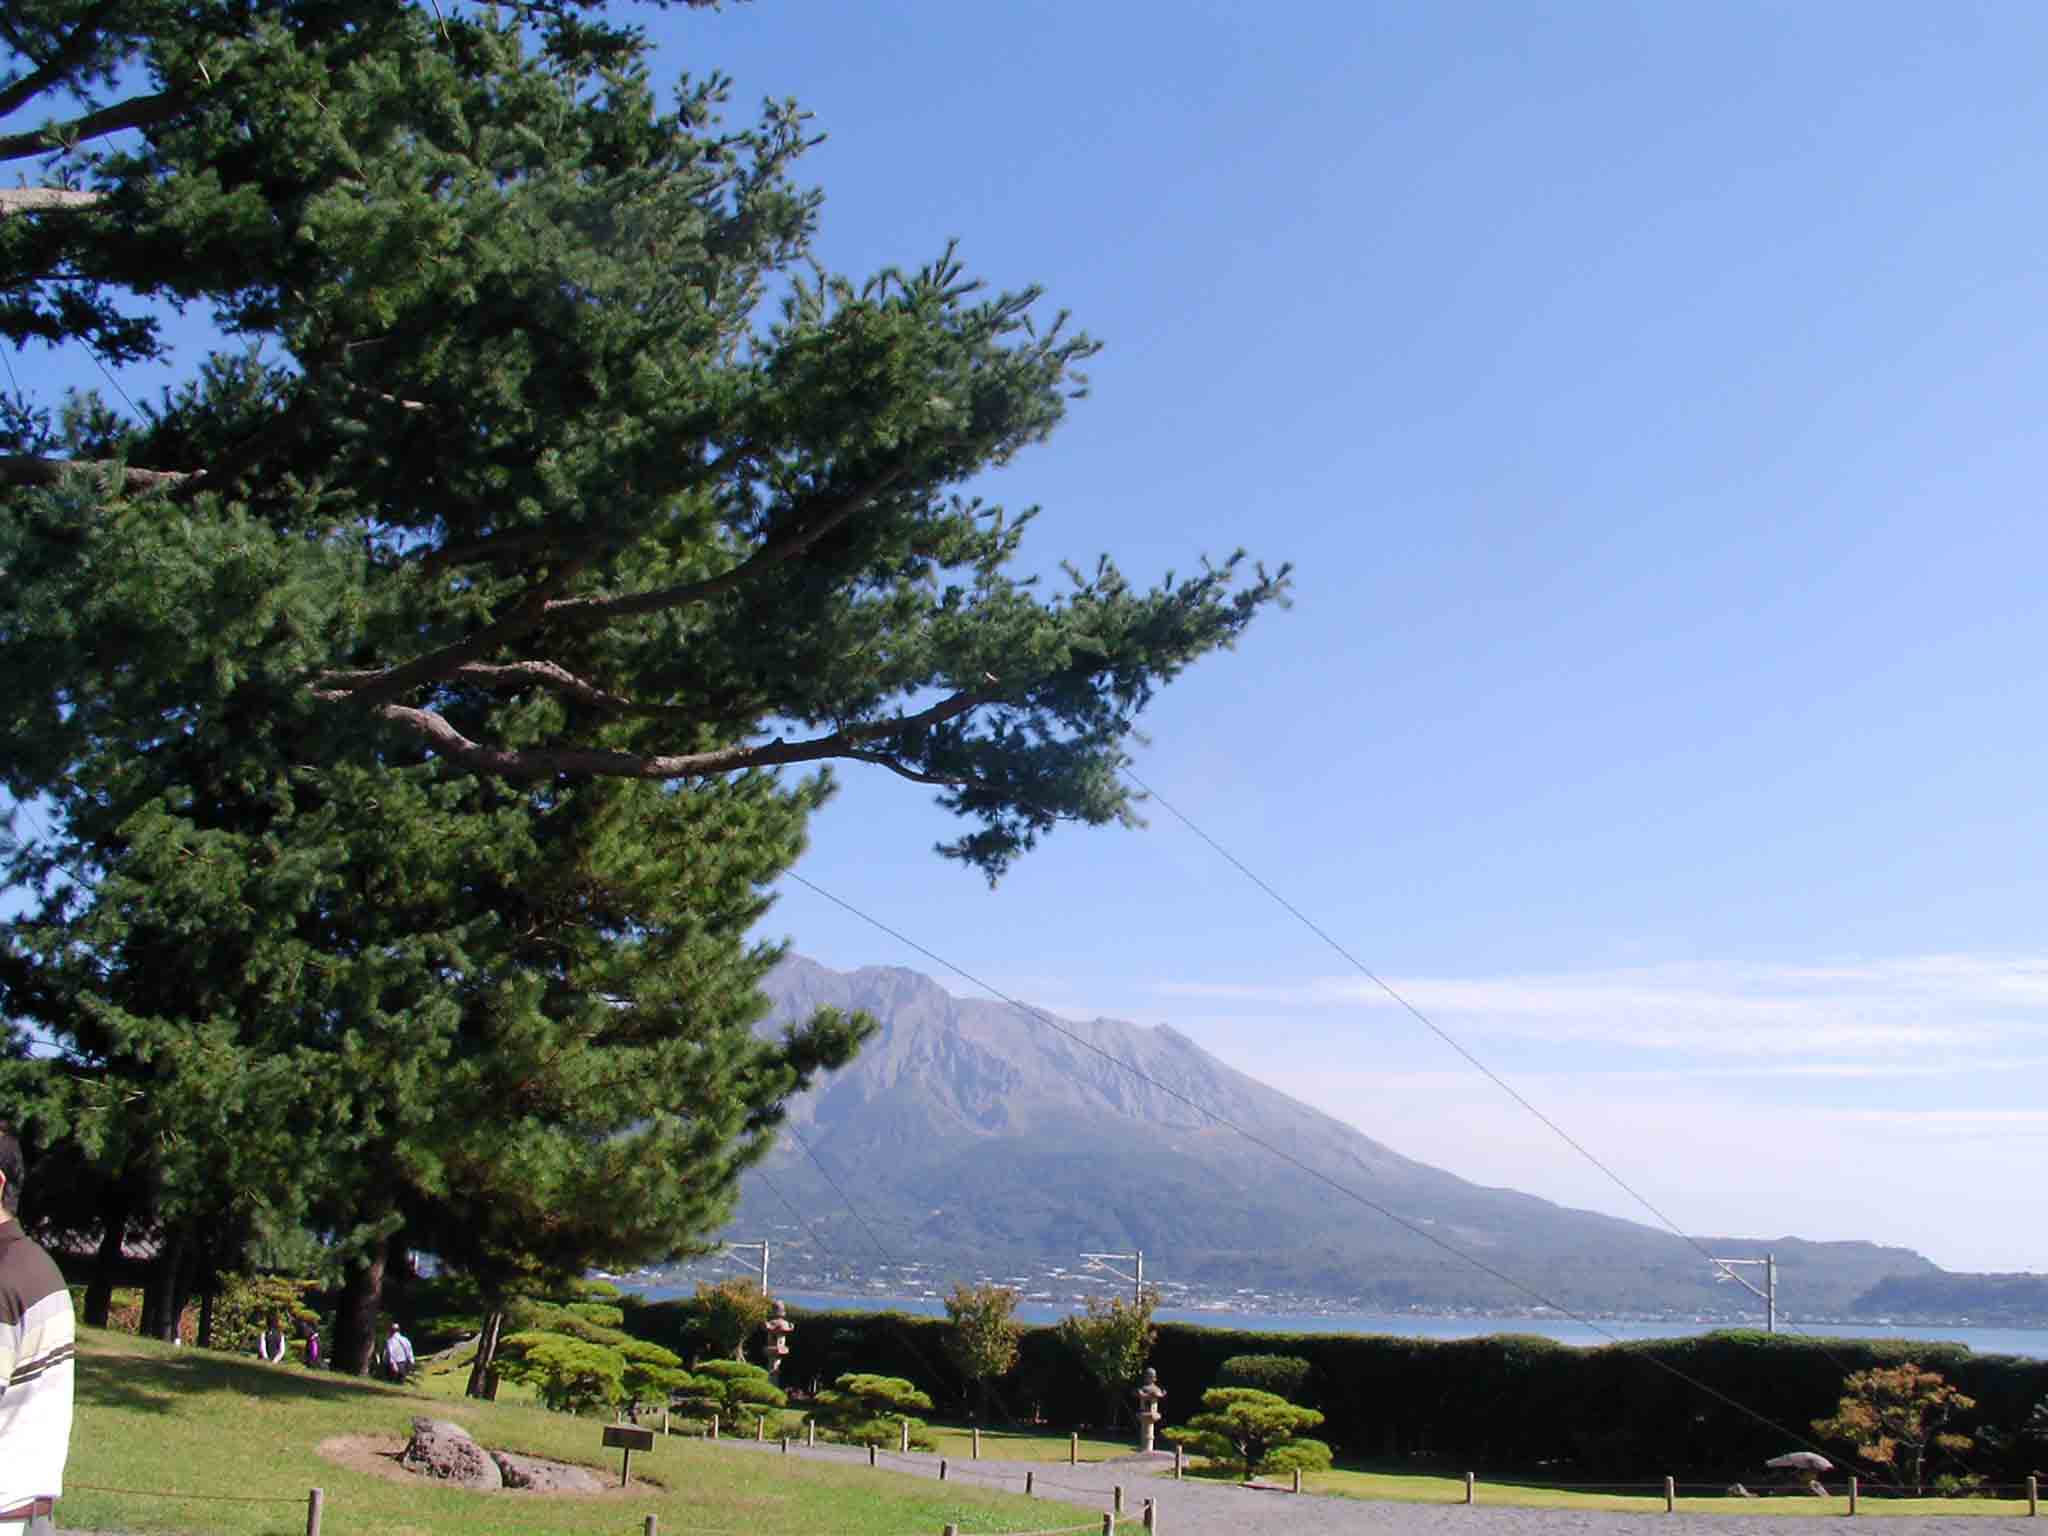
x,y
909,1340
1434,1028
106,374
851,1209
1341,1188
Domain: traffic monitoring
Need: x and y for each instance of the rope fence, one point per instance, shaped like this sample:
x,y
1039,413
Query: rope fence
x,y
168,1493
982,1473
985,1474
314,1501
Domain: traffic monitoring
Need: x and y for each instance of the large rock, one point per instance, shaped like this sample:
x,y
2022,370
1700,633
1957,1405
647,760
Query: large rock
x,y
446,1451
544,1476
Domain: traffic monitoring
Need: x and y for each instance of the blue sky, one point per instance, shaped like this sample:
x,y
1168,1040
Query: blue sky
x,y
1648,398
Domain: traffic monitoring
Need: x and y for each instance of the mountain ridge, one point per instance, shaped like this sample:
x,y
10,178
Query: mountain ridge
x,y
968,1137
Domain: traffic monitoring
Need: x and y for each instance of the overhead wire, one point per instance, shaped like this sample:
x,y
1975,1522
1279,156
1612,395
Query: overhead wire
x,y
1075,1037
909,1341
1721,1267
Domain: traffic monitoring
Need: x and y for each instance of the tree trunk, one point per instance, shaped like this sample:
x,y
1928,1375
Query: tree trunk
x,y
355,1322
99,1292
483,1374
163,1295
182,1283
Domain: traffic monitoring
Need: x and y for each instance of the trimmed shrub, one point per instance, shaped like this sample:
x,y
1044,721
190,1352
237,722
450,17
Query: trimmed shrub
x,y
871,1410
1282,1375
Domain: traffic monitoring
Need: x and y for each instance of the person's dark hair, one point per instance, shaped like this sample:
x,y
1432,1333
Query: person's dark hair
x,y
10,1170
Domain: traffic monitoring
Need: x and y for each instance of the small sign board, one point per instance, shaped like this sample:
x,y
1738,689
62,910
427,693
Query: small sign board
x,y
626,1439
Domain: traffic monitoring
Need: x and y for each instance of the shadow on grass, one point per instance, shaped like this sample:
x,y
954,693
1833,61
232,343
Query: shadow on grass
x,y
151,1383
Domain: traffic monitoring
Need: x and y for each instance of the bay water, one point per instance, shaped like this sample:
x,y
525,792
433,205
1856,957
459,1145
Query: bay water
x,y
2031,1342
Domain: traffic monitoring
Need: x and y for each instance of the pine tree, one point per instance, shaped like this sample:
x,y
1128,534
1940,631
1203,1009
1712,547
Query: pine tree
x,y
1259,1431
407,692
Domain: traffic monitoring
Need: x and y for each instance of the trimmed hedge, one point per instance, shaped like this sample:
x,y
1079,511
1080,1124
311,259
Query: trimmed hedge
x,y
1712,1407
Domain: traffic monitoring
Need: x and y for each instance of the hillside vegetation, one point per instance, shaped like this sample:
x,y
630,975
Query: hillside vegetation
x,y
971,1136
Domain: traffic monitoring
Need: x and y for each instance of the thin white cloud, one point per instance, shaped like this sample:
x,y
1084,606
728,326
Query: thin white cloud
x,y
1945,1180
1915,1006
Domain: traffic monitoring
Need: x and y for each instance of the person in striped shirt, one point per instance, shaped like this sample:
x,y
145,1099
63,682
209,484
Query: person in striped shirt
x,y
37,1335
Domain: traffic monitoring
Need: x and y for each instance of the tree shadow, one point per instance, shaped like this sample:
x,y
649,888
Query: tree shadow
x,y
152,1383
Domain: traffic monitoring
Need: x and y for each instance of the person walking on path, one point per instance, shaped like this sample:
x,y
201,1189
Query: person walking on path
x,y
38,1339
398,1355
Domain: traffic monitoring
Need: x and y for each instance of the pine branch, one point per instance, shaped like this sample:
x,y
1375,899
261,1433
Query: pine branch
x,y
493,547
44,200
29,469
903,770
141,112
602,610
548,762
74,51
380,688
517,674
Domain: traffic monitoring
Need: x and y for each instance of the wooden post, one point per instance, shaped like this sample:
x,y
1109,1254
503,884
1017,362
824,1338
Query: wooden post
x,y
714,1426
316,1499
625,1466
906,1437
785,1445
1852,1494
1468,1487
2033,1494
760,1428
1152,1516
942,1469
652,1527
977,1442
871,1453
1178,1459
1027,1485
1074,1449
664,1421
951,1530
1108,1524
1670,1496
810,1434
1116,1499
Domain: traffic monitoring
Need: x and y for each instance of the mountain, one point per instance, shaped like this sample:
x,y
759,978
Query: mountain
x,y
971,1139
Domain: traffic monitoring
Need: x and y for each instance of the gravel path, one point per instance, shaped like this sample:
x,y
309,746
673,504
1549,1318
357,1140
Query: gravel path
x,y
1211,1509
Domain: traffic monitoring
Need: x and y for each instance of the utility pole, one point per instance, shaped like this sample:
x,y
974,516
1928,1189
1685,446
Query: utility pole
x,y
1768,1295
763,1246
1101,1261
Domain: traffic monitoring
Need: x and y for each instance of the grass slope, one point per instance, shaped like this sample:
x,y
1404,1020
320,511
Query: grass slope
x,y
183,1441
213,1429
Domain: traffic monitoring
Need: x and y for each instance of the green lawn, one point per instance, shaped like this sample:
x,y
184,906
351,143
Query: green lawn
x,y
156,1421
167,1441
1408,1488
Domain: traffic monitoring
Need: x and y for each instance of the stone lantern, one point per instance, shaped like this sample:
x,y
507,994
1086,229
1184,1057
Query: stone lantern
x,y
779,1329
1148,1395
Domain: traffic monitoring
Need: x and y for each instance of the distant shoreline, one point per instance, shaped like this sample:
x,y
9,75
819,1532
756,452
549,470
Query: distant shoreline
x,y
1981,1338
